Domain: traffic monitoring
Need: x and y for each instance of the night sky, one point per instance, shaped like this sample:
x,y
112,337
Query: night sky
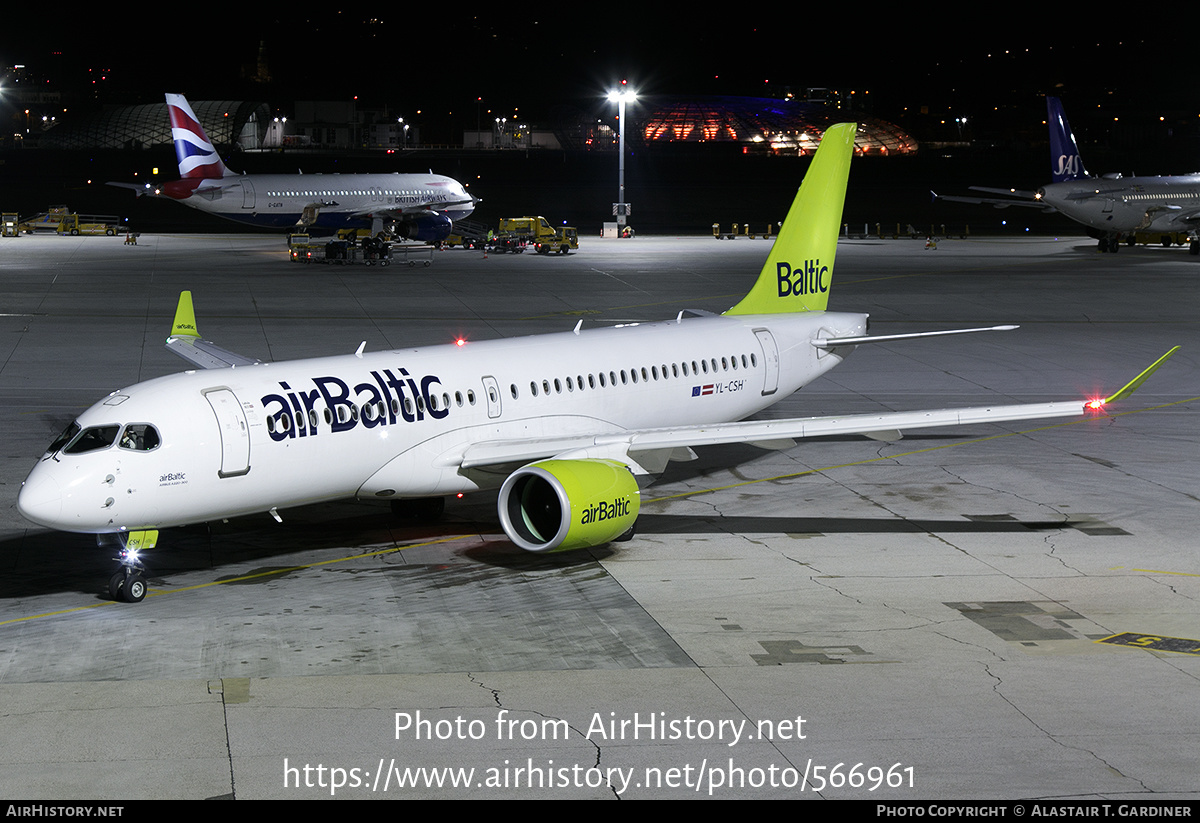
x,y
1125,91
439,63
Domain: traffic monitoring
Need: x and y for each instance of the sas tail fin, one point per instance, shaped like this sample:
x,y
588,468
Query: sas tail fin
x,y
198,158
1065,162
799,269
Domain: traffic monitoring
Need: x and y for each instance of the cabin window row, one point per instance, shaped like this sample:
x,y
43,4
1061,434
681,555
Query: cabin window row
x,y
1164,196
324,193
642,374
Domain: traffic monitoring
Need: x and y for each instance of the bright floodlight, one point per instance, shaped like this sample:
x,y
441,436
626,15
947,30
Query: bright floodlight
x,y
621,96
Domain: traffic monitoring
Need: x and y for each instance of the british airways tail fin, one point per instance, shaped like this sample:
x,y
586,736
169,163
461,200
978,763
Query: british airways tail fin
x,y
196,154
1065,162
799,268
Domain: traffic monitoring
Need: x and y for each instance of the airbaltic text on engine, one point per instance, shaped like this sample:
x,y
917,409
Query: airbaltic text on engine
x,y
599,512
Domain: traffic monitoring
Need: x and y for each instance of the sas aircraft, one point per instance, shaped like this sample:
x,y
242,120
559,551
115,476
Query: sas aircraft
x,y
412,206
1114,208
568,426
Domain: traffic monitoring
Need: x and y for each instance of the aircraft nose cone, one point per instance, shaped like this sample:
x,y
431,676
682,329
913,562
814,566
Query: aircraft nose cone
x,y
40,500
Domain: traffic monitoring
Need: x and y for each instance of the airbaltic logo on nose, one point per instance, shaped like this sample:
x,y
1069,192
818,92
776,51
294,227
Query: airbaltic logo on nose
x,y
810,278
602,511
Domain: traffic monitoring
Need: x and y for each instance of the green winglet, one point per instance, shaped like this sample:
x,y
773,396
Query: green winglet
x,y
185,317
1134,384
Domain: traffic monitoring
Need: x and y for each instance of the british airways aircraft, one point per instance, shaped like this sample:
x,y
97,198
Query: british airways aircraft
x,y
412,206
1114,208
568,426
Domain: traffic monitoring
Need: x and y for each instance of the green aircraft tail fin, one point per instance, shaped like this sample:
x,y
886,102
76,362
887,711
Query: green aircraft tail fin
x,y
798,271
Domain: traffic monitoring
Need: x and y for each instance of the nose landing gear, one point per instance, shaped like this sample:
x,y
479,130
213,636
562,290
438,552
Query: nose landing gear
x,y
128,583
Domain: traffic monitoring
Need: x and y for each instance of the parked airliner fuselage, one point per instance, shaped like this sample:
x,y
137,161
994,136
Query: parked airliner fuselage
x,y
1146,204
413,206
395,424
328,201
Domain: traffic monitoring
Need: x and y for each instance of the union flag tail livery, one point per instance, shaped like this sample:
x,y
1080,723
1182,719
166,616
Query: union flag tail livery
x,y
198,158
798,271
420,207
568,426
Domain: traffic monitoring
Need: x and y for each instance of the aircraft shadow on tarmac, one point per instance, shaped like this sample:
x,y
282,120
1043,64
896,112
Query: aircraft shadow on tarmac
x,y
45,563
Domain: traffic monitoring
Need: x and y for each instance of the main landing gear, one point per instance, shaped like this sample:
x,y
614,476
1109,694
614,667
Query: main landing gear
x,y
128,583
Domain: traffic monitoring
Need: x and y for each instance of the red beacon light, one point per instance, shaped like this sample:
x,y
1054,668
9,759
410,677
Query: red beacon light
x,y
460,342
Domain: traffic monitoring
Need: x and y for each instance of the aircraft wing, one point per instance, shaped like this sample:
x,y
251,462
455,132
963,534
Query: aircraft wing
x,y
138,189
408,211
652,448
186,341
772,433
1184,216
1024,195
205,354
1031,202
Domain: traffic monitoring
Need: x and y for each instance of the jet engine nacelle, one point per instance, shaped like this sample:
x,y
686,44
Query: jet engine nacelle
x,y
559,505
431,228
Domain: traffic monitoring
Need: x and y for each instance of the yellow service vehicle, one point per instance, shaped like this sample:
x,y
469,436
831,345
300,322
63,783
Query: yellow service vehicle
x,y
1179,238
48,220
537,232
62,220
90,224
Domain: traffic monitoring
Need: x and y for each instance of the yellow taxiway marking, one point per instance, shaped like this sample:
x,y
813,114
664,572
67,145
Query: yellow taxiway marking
x,y
1160,571
1153,642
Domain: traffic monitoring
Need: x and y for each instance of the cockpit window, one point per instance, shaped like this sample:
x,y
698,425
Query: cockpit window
x,y
63,439
141,437
91,439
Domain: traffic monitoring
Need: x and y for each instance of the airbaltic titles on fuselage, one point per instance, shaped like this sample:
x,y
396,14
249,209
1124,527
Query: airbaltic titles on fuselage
x,y
387,397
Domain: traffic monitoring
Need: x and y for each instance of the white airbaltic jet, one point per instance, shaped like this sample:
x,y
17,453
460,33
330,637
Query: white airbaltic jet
x,y
414,206
566,425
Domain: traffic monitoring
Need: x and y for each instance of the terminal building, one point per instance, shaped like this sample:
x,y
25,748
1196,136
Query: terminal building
x,y
228,122
757,125
781,127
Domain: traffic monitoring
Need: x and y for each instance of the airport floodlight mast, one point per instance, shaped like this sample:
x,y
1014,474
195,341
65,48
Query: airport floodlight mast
x,y
621,208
